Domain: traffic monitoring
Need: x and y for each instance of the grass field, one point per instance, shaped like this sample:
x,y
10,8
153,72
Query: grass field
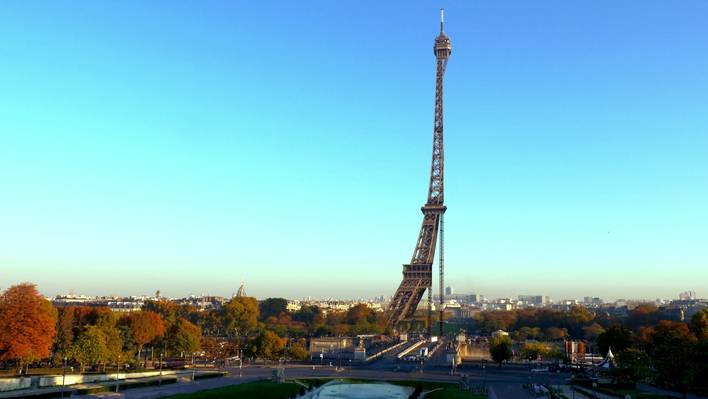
x,y
251,390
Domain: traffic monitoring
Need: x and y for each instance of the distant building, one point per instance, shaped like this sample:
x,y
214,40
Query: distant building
x,y
449,290
474,298
326,345
687,296
532,300
465,312
592,301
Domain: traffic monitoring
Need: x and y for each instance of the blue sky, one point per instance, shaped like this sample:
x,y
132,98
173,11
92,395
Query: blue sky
x,y
186,146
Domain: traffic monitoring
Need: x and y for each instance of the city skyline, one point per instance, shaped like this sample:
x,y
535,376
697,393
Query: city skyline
x,y
260,144
383,297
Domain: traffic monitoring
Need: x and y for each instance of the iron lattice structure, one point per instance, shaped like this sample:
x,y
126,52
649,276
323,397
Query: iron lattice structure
x,y
418,274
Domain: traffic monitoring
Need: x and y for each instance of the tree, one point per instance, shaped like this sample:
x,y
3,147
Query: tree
x,y
698,369
272,307
500,348
311,316
27,325
642,316
108,324
534,350
297,350
64,334
525,333
267,345
616,337
184,337
592,332
90,347
239,316
671,348
634,363
576,319
166,309
360,313
555,333
490,321
699,324
145,326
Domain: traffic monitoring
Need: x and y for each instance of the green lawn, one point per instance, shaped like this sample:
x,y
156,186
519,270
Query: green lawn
x,y
251,390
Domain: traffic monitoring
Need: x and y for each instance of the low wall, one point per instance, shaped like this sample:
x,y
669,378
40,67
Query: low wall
x,y
410,349
383,351
12,384
71,379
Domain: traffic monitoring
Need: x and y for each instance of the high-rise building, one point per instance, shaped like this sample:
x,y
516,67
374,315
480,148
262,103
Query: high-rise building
x,y
449,291
534,300
474,298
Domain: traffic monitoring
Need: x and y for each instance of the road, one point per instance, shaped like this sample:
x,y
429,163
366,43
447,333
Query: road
x,y
504,383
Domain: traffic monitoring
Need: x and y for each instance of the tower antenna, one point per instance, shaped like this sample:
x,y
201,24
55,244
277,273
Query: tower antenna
x,y
442,18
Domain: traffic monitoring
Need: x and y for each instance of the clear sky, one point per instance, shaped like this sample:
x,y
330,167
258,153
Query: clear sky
x,y
188,145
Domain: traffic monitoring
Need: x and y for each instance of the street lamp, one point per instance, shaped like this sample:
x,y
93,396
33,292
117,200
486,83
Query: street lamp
x,y
118,374
160,381
63,375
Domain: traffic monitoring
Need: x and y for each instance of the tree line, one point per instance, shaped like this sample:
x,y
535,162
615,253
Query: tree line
x,y
33,330
667,352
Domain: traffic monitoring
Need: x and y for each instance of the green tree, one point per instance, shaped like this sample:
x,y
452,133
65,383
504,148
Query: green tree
x,y
90,347
239,316
671,350
298,350
699,324
616,337
65,334
500,349
272,307
312,317
108,324
634,363
267,345
534,350
698,366
183,337
577,318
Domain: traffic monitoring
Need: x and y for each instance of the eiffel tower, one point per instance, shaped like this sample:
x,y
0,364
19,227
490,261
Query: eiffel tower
x,y
418,274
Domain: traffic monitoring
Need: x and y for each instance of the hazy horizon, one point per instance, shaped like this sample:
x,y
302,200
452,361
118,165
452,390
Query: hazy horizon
x,y
187,147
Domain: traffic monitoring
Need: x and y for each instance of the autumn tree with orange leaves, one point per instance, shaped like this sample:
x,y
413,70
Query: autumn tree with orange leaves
x,y
27,325
146,326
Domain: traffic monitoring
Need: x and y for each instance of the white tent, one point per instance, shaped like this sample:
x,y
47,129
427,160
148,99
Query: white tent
x,y
608,361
